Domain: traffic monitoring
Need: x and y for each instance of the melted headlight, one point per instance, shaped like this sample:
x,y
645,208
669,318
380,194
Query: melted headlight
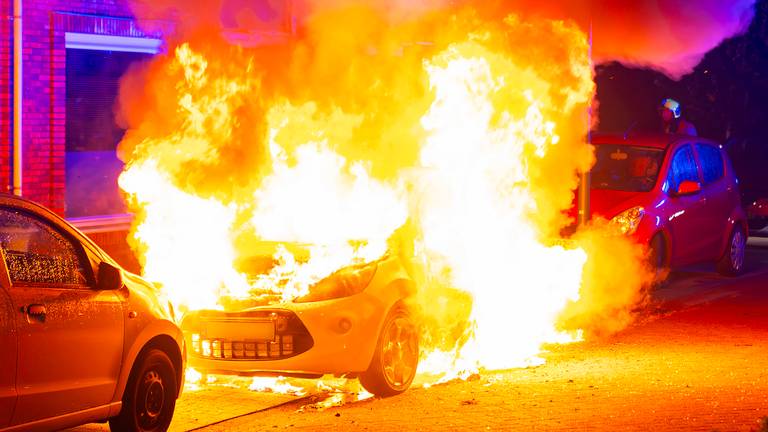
x,y
628,221
344,283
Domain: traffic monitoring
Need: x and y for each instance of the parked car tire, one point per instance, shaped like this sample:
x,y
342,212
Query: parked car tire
x,y
397,355
732,261
657,253
150,395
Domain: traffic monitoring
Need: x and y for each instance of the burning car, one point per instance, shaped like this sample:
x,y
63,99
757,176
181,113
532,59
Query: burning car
x,y
677,194
355,322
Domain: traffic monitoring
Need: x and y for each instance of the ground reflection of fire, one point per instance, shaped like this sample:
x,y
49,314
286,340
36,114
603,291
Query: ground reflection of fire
x,y
464,151
315,394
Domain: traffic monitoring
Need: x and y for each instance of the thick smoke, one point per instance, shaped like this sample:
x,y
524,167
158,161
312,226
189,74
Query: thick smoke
x,y
669,35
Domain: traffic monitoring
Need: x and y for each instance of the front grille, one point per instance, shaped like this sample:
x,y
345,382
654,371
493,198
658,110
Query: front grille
x,y
281,347
254,335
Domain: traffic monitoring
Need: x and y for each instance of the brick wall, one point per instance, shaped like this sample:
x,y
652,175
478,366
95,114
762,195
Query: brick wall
x,y
114,243
45,23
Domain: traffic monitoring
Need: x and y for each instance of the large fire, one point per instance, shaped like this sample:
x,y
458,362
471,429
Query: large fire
x,y
460,137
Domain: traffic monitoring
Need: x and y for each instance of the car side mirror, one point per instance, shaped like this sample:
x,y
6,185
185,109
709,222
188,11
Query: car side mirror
x,y
689,187
109,277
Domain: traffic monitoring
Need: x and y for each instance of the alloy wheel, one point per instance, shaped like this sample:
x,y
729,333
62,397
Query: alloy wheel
x,y
400,352
738,245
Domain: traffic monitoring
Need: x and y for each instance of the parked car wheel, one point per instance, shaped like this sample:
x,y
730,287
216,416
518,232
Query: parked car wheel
x,y
397,354
732,261
657,261
150,396
657,253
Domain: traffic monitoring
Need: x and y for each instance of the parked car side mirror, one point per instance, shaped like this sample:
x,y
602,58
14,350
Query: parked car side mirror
x,y
689,187
109,277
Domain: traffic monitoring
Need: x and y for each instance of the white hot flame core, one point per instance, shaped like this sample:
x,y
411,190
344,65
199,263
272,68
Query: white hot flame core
x,y
192,256
474,216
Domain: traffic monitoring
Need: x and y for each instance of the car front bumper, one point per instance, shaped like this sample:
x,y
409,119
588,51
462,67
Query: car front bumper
x,y
328,337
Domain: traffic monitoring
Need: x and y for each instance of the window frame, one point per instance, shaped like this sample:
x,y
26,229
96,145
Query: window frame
x,y
81,252
99,42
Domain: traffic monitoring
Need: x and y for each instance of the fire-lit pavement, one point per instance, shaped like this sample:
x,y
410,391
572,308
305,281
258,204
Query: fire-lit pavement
x,y
215,403
696,360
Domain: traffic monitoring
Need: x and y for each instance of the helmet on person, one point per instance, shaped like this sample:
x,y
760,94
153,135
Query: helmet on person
x,y
671,105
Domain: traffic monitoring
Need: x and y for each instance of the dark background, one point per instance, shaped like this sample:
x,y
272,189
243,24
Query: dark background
x,y
725,97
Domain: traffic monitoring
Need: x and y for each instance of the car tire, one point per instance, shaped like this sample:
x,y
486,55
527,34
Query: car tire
x,y
732,261
150,395
657,259
657,252
396,357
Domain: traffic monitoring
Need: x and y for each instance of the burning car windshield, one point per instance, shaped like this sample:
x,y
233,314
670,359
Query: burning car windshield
x,y
626,168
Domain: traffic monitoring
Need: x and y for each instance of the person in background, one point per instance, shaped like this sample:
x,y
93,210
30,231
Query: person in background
x,y
672,120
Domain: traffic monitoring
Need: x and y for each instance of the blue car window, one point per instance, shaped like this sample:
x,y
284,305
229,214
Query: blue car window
x,y
35,253
711,162
683,167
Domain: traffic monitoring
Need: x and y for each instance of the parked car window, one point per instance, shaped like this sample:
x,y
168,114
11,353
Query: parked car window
x,y
683,167
36,253
626,168
711,162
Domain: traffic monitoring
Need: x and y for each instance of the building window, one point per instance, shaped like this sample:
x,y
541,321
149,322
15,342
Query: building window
x,y
94,66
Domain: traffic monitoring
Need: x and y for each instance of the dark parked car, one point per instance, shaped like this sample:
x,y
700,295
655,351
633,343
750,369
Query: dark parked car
x,y
81,340
757,215
678,194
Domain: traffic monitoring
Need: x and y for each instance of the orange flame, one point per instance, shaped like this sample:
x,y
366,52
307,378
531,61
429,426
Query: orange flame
x,y
461,138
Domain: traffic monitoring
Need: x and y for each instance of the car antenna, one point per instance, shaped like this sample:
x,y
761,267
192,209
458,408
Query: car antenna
x,y
629,129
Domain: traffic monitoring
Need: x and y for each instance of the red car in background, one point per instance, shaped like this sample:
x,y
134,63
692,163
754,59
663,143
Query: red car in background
x,y
677,194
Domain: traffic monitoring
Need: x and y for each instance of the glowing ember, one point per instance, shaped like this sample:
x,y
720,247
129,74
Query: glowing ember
x,y
192,379
275,385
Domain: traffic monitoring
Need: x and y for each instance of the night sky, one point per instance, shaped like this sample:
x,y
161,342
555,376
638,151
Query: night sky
x,y
726,97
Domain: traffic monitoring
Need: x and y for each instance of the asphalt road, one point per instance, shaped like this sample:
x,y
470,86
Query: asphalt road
x,y
696,360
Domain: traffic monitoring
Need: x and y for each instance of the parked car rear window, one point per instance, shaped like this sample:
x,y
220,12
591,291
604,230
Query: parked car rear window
x,y
626,168
711,162
38,254
682,168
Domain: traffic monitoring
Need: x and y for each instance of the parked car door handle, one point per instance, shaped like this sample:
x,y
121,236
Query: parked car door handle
x,y
35,310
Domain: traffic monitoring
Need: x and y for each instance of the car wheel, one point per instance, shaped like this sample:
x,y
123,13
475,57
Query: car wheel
x,y
150,396
397,354
732,261
657,259
656,255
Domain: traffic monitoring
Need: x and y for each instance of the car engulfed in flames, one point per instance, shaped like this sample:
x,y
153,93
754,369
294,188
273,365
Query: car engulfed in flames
x,y
354,323
438,153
